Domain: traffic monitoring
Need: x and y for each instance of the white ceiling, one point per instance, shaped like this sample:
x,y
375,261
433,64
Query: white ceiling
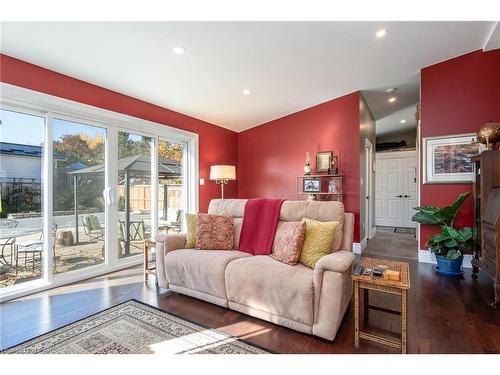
x,y
391,124
288,66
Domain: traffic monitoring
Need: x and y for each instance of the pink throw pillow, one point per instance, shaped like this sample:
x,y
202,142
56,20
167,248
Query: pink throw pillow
x,y
288,242
214,232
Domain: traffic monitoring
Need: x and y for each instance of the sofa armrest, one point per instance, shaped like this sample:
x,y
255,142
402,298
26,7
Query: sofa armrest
x,y
172,241
339,261
166,243
332,292
347,232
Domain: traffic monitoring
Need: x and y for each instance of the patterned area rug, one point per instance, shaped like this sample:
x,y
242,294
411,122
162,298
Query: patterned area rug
x,y
135,328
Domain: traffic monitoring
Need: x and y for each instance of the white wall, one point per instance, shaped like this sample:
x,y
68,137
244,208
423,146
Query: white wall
x,y
367,131
16,166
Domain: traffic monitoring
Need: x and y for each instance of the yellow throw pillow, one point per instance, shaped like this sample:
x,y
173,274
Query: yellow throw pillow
x,y
191,222
318,241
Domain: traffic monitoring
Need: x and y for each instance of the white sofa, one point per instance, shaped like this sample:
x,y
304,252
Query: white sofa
x,y
307,300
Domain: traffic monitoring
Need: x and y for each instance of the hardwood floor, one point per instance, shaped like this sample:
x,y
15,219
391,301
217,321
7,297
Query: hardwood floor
x,y
388,244
446,315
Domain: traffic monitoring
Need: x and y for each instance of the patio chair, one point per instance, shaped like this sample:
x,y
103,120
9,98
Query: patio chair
x,y
137,230
8,242
34,248
93,228
173,225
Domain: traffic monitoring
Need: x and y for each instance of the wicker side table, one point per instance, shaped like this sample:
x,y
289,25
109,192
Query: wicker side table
x,y
376,283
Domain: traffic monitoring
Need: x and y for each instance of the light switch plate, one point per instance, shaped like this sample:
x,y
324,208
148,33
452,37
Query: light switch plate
x,y
202,181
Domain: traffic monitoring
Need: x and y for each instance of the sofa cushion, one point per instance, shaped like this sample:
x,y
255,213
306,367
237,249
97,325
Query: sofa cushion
x,y
290,211
288,242
262,283
202,271
214,232
318,241
316,210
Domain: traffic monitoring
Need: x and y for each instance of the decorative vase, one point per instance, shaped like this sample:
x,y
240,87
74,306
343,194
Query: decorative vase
x,y
449,267
307,167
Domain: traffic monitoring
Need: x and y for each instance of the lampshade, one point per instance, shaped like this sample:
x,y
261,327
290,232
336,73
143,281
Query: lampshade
x,y
223,172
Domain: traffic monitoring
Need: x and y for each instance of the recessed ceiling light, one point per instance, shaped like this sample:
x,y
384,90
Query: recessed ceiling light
x,y
381,33
392,99
246,92
392,89
403,121
179,50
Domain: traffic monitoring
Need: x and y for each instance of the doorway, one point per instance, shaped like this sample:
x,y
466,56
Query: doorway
x,y
395,164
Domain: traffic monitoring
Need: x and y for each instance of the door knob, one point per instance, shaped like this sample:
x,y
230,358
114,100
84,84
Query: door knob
x,y
399,196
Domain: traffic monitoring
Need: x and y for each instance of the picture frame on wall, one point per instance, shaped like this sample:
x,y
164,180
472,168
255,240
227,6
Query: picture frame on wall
x,y
312,185
323,161
448,159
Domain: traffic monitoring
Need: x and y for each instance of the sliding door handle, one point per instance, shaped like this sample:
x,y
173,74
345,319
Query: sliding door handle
x,y
399,196
407,196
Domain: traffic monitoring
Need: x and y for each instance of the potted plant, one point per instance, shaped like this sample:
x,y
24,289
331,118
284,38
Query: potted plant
x,y
449,245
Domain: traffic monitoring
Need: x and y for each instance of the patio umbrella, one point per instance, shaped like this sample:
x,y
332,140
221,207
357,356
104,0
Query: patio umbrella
x,y
129,167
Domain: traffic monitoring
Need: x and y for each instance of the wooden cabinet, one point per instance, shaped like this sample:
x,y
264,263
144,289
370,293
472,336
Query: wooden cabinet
x,y
487,217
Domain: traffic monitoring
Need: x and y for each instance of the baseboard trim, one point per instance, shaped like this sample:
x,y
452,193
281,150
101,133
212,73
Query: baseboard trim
x,y
373,232
358,248
425,256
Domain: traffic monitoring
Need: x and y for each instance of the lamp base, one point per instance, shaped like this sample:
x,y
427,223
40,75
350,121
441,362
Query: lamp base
x,y
221,183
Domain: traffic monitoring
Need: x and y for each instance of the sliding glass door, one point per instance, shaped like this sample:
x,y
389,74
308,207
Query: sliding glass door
x,y
79,209
172,185
21,212
82,188
134,192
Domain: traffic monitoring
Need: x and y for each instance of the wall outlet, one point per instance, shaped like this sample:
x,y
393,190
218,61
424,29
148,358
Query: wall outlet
x,y
202,181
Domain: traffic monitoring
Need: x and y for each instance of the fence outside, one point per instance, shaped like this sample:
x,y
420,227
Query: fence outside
x,y
140,197
20,195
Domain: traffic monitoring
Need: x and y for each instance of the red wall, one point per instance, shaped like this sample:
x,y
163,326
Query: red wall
x,y
216,145
457,96
271,156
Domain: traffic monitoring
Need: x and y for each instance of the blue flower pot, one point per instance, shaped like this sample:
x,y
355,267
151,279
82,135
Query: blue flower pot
x,y
449,267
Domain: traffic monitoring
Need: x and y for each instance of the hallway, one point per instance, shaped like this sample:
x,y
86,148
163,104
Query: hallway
x,y
387,243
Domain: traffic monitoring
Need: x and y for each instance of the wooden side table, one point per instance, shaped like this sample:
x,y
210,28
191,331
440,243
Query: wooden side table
x,y
148,244
377,283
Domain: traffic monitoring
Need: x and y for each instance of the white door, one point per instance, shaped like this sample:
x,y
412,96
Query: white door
x,y
410,193
396,189
389,186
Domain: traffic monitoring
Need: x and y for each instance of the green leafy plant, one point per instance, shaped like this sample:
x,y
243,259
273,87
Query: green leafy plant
x,y
450,242
441,216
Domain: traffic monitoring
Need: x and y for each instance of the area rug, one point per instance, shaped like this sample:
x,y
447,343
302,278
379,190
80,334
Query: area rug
x,y
133,327
405,230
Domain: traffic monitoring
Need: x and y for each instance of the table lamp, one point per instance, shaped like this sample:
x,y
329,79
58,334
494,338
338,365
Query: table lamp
x,y
222,174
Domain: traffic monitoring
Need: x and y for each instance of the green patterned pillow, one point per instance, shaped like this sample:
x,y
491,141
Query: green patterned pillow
x,y
318,241
191,222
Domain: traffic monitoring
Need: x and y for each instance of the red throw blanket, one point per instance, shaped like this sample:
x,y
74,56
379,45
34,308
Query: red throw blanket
x,y
259,225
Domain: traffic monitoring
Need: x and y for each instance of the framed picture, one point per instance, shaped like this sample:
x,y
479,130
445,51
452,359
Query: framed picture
x,y
448,159
323,161
312,185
